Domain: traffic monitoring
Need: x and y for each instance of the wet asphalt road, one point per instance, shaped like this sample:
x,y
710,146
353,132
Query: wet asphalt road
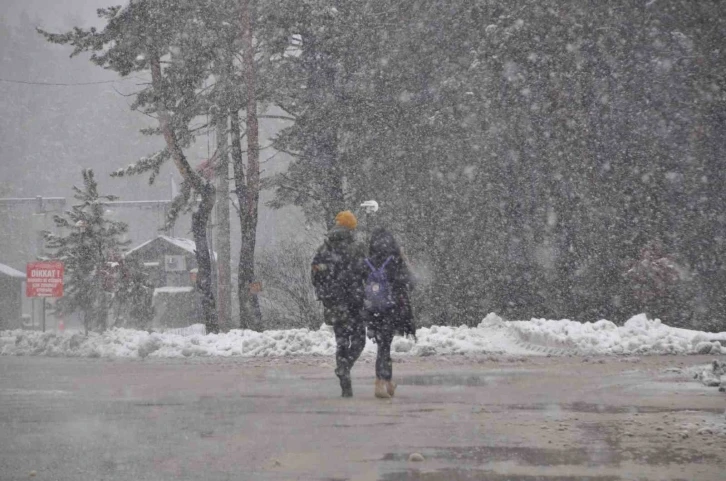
x,y
281,419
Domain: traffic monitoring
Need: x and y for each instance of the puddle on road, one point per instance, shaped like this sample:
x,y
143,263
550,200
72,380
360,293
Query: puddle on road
x,y
456,474
34,392
370,425
152,404
460,379
603,449
524,456
444,380
338,414
687,386
582,407
261,396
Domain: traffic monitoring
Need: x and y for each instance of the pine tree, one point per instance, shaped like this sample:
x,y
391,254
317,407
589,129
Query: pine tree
x,y
133,294
172,42
189,49
88,244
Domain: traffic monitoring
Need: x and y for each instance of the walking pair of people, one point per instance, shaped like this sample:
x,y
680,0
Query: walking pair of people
x,y
363,288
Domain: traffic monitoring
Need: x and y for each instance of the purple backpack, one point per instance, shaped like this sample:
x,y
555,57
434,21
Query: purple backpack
x,y
378,293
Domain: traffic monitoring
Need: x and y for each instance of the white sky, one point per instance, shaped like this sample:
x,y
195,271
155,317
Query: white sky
x,y
53,12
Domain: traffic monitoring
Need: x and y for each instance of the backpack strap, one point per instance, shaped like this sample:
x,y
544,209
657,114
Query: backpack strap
x,y
370,266
383,266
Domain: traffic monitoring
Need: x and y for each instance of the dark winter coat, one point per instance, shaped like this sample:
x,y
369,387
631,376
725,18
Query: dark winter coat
x,y
401,316
349,255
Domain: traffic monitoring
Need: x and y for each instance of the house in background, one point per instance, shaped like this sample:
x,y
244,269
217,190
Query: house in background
x,y
170,261
172,267
11,297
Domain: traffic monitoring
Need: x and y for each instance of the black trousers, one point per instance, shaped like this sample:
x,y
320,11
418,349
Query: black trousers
x,y
350,338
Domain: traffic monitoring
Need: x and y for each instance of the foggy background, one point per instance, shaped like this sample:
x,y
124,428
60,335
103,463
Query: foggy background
x,y
49,133
528,154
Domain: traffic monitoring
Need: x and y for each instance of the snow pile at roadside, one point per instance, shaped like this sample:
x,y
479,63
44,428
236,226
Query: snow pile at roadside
x,y
200,329
186,342
493,335
712,375
638,335
133,343
129,343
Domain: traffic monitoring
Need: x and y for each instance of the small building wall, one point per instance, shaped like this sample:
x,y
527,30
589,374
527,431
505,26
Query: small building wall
x,y
11,302
175,307
176,302
152,256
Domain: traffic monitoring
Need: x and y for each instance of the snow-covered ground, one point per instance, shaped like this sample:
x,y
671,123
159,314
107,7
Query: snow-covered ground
x,y
711,375
638,336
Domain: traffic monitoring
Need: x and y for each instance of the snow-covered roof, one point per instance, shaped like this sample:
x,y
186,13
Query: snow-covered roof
x,y
172,289
186,244
9,271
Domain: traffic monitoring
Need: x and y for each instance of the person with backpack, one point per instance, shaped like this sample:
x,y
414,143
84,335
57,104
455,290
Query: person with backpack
x,y
387,304
337,276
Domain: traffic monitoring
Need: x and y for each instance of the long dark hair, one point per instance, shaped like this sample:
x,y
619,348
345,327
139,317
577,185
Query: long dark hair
x,y
382,245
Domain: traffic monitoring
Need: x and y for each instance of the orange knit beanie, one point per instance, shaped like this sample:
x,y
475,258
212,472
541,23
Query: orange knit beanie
x,y
346,219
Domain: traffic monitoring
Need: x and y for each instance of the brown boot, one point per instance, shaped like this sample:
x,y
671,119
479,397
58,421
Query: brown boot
x,y
391,388
381,392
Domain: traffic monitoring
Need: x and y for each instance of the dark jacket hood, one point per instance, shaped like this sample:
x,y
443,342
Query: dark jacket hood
x,y
383,245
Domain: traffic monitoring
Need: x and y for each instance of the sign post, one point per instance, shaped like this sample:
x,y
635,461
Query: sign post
x,y
44,279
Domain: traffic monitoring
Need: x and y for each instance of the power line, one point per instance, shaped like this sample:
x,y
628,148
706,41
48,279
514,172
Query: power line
x,y
60,84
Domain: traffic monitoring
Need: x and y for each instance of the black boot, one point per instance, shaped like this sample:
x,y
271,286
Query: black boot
x,y
345,383
346,386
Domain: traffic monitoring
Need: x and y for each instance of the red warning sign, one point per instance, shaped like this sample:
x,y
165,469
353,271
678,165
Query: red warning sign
x,y
44,279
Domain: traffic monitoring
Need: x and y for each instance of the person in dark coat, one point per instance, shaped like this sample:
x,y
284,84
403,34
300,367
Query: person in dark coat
x,y
338,276
399,317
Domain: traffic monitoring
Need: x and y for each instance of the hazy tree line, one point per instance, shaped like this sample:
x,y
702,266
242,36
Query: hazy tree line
x,y
525,151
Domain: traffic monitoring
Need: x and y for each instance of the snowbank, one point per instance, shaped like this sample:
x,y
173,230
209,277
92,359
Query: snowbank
x,y
132,343
639,335
493,335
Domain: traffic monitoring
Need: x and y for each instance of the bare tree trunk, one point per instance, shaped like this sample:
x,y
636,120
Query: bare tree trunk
x,y
224,274
250,191
253,135
248,303
200,218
